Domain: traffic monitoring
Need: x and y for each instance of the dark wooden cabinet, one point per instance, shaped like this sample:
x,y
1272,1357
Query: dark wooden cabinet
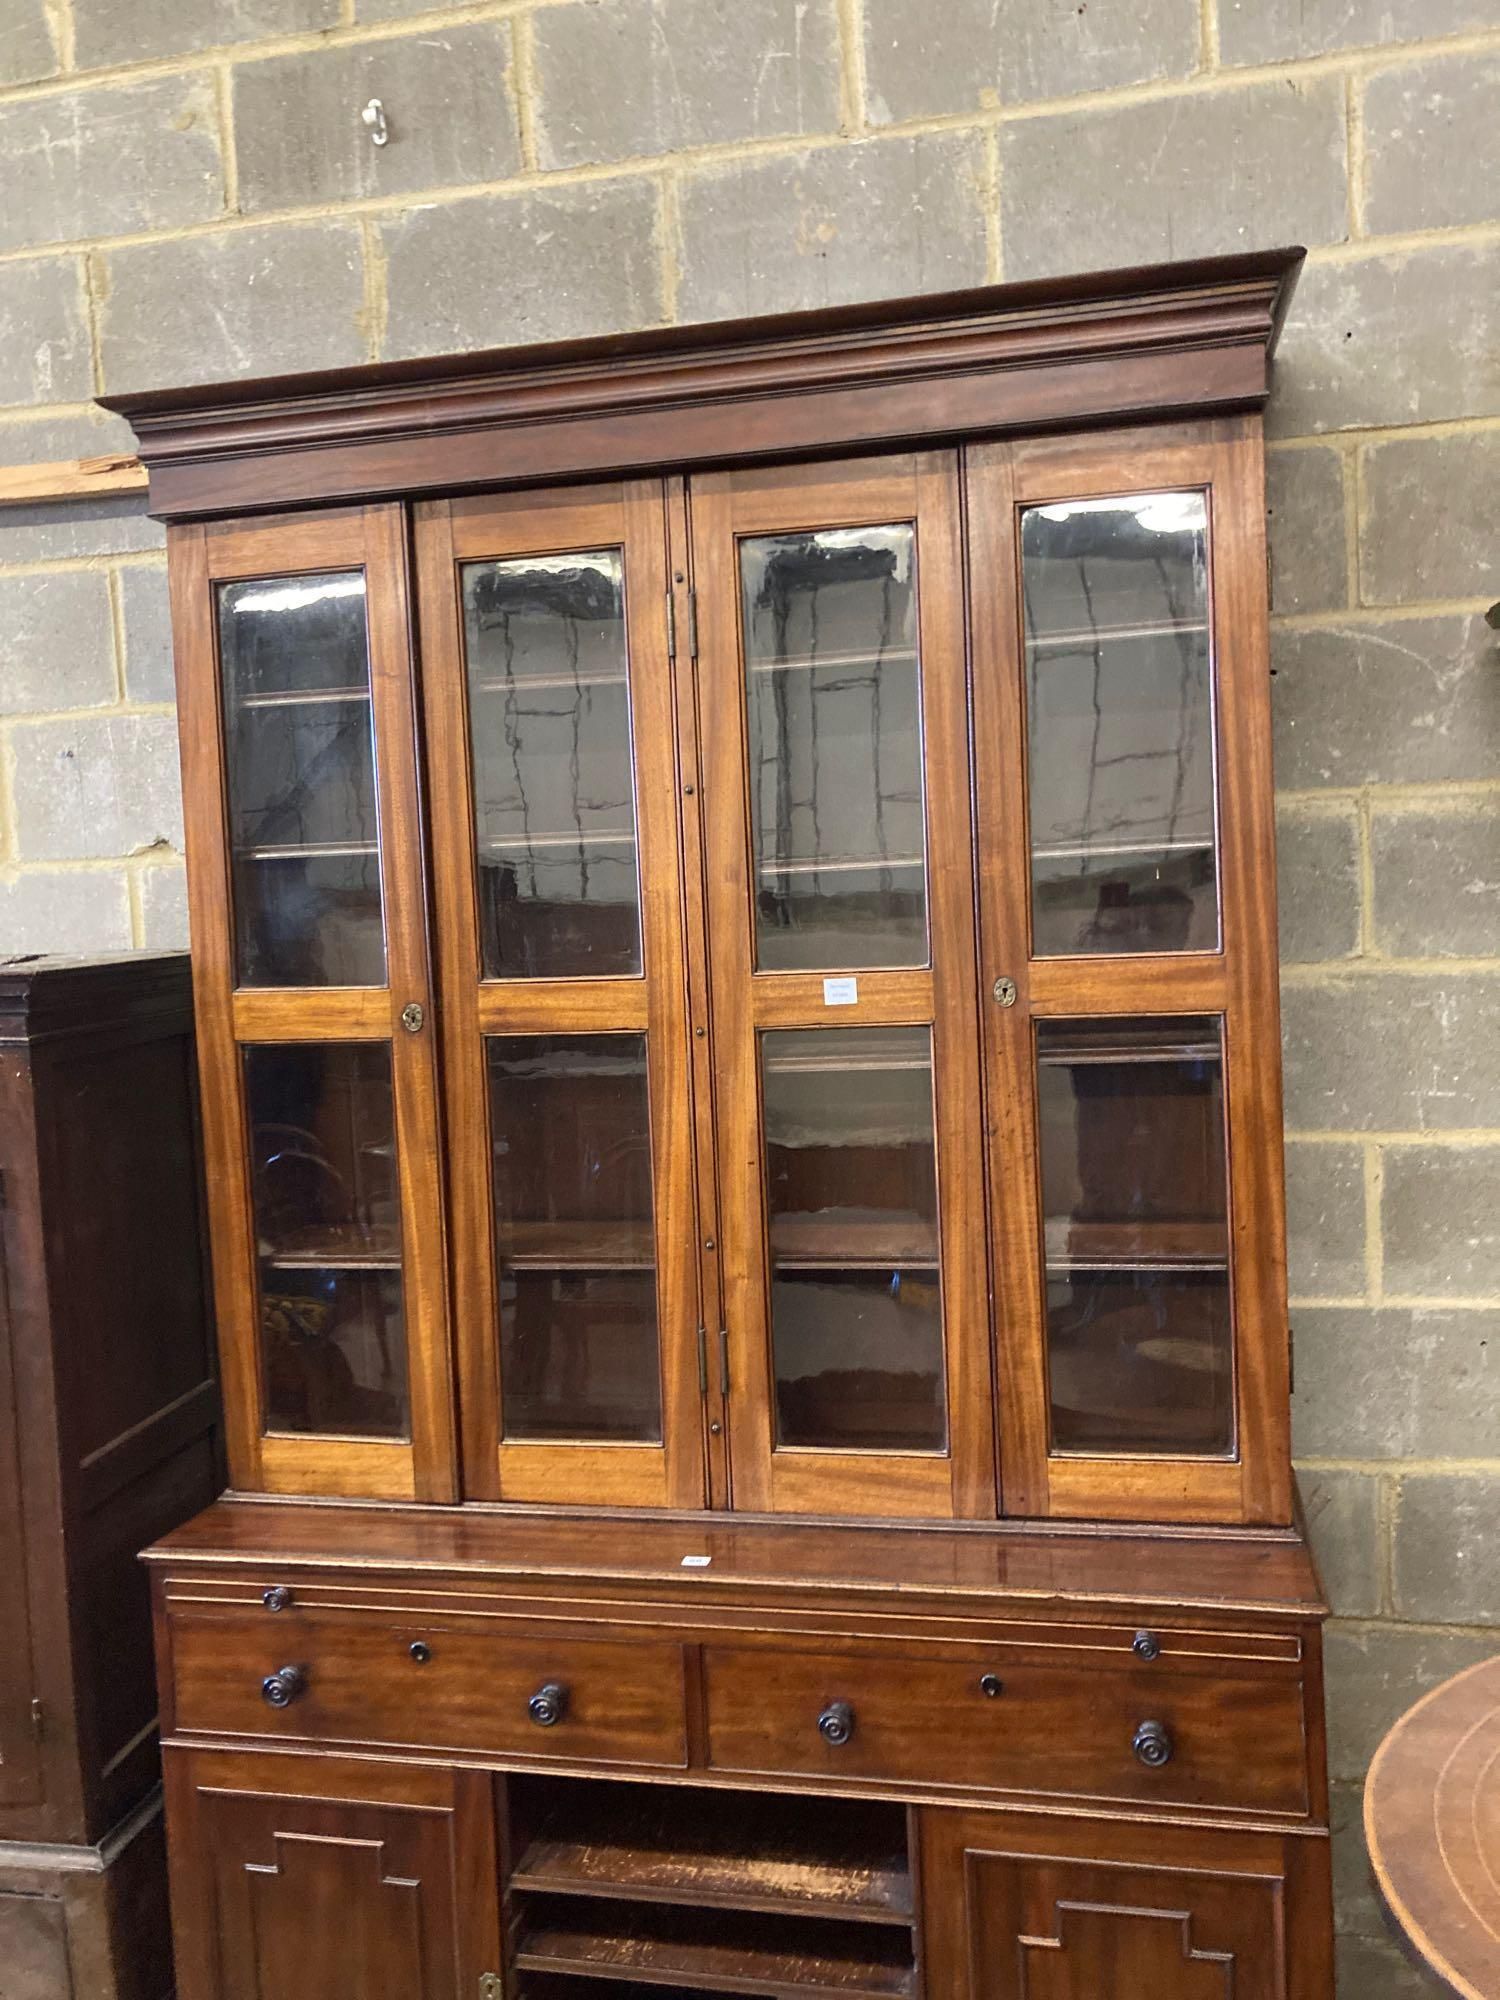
x,y
108,1438
733,882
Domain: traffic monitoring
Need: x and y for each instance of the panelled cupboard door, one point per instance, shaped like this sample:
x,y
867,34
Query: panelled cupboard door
x,y
314,1006
1022,1910
343,1882
549,702
20,1764
831,687
1127,874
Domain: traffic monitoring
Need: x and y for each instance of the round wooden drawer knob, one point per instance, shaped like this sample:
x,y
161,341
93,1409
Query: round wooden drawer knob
x,y
836,1723
283,1687
548,1705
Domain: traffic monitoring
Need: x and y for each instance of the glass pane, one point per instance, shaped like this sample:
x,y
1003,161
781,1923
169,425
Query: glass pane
x,y
300,745
570,1128
832,682
554,798
1119,693
1136,1211
856,1297
328,1236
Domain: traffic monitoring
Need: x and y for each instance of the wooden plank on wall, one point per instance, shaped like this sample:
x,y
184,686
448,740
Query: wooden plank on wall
x,y
71,479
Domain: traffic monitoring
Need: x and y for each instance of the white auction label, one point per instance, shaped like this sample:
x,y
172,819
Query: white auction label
x,y
696,1562
840,992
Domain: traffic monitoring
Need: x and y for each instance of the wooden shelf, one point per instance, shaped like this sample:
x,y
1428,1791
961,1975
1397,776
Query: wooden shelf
x,y
544,683
334,1250
579,1246
788,1956
1136,1246
791,663
876,1243
303,697
1121,850
525,843
1099,635
327,850
639,1844
843,865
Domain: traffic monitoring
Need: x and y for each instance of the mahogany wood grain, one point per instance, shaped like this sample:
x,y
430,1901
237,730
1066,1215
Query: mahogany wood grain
x,y
1041,354
630,517
1432,1827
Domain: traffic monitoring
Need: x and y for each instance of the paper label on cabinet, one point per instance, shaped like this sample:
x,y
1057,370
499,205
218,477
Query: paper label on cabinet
x,y
840,992
696,1562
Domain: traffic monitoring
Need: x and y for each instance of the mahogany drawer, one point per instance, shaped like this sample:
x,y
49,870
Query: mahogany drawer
x,y
1233,1741
371,1679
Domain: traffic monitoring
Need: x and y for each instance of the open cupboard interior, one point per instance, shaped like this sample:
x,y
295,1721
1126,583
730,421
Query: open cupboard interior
x,y
732,878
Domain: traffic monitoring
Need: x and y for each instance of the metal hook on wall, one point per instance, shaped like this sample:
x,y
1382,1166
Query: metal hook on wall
x,y
374,119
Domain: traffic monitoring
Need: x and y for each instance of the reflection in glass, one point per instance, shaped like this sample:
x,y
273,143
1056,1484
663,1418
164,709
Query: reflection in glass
x,y
1119,694
328,1237
1135,1208
554,801
834,698
856,1299
300,744
574,1237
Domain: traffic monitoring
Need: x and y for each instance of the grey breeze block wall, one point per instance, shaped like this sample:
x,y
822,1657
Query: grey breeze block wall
x,y
186,193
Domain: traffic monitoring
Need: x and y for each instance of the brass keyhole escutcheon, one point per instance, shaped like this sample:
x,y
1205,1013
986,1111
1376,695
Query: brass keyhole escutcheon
x,y
413,1015
1005,992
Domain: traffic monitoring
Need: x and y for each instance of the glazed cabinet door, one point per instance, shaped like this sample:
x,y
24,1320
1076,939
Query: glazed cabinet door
x,y
1021,1909
549,703
343,1882
314,1002
1129,974
840,879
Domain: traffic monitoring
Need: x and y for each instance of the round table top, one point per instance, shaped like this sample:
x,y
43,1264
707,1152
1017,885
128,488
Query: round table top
x,y
1432,1824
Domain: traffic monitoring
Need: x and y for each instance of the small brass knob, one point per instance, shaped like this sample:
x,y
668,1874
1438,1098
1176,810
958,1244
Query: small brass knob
x,y
836,1724
1146,1646
991,1686
548,1705
420,1651
277,1598
1153,1745
281,1689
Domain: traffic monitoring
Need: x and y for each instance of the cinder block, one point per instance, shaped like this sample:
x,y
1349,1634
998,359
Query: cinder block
x,y
249,302
44,343
1429,517
1309,548
148,635
884,218
1433,144
641,77
28,42
102,162
119,31
1393,1052
922,61
1408,701
1188,176
164,911
1264,31
1375,1673
26,439
1448,1548
1343,1523
1388,340
96,787
1325,1215
57,647
79,910
1319,866
1390,1382
447,97
528,267
115,524
1440,1215
1355,1906
1437,883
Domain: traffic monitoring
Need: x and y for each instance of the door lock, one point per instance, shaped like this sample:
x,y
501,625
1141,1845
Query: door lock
x,y
413,1017
1005,992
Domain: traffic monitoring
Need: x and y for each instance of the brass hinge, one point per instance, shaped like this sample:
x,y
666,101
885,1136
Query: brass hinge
x,y
724,1361
38,1721
703,1361
490,1987
692,624
671,655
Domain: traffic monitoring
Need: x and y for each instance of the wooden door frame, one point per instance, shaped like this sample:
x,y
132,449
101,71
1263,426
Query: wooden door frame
x,y
1237,983
923,489
372,539
631,516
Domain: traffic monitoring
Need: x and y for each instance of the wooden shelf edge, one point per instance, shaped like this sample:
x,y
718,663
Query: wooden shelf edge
x,y
71,479
543,1882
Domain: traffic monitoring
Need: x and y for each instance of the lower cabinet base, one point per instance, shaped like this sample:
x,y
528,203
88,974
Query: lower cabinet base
x,y
87,1923
301,1877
